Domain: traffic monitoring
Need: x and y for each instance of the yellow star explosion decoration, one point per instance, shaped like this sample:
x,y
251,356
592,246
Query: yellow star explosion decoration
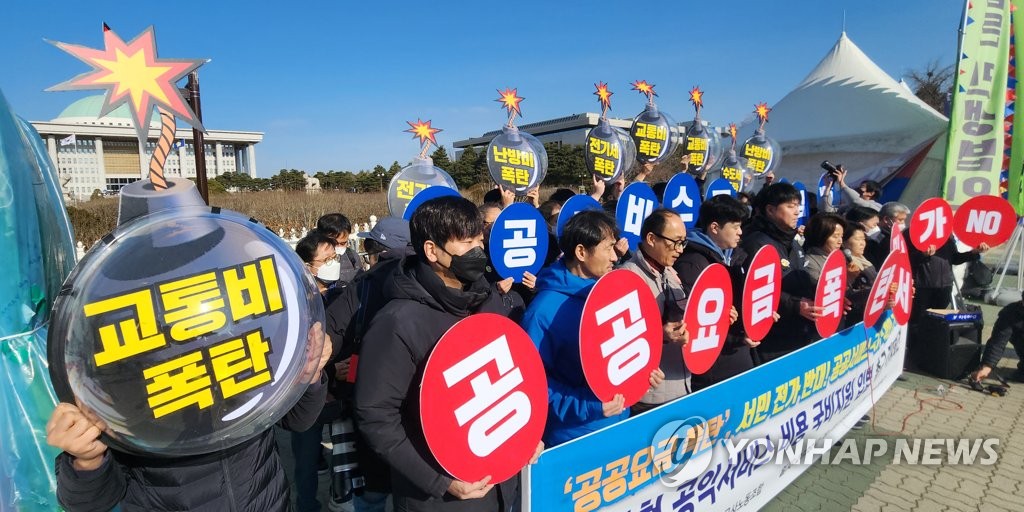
x,y
510,100
603,95
762,109
697,97
132,73
423,131
644,88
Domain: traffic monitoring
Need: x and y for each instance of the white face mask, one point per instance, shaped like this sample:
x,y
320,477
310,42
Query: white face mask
x,y
873,231
329,271
340,249
902,226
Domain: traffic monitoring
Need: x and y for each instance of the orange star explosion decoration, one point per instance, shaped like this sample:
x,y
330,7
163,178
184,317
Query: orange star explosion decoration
x,y
423,131
645,88
732,132
132,73
603,95
510,100
762,109
697,97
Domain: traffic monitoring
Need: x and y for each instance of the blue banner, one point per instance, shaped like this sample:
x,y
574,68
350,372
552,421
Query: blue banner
x,y
678,457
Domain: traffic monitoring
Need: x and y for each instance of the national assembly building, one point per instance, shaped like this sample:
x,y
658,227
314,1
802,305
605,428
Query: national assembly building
x,y
103,153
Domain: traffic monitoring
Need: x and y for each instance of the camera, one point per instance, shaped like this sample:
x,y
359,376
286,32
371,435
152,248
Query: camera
x,y
832,170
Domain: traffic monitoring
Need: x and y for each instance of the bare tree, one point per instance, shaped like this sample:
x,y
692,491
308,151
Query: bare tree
x,y
932,84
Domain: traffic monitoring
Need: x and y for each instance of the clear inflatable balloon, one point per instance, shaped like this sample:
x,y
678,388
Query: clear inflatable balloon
x,y
652,134
704,145
185,331
609,151
732,169
418,175
761,153
516,160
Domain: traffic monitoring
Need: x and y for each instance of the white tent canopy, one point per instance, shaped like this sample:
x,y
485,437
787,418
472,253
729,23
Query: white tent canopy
x,y
850,112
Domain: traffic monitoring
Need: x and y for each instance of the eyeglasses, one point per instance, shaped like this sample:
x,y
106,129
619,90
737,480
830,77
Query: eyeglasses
x,y
676,244
336,257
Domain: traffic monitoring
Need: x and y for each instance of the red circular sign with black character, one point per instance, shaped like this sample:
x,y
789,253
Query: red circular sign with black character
x,y
620,337
931,224
984,219
830,295
488,399
762,289
707,318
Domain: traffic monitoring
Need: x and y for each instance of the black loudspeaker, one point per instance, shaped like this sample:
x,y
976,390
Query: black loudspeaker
x,y
946,349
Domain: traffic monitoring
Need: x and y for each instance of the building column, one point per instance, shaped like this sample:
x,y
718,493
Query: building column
x,y
51,148
218,164
251,153
143,162
181,161
101,175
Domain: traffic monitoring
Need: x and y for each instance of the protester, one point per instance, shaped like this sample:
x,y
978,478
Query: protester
x,y
891,214
249,476
867,218
553,318
426,295
348,318
866,194
339,228
777,209
861,273
317,251
716,239
515,295
1009,327
823,235
933,274
662,239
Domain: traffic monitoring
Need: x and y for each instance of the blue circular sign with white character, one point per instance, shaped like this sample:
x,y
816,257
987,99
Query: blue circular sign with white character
x,y
574,205
637,201
518,241
682,195
719,187
804,208
425,195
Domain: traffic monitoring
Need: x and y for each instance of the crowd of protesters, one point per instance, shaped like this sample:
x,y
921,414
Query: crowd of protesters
x,y
389,304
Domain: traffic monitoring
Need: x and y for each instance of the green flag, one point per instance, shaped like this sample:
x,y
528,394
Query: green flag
x,y
974,156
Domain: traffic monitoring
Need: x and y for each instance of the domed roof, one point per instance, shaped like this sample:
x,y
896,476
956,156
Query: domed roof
x,y
87,111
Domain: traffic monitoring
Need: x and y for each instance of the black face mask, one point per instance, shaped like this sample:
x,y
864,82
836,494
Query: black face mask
x,y
468,268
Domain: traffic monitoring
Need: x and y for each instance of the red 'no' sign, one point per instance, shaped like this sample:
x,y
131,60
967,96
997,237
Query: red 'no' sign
x,y
707,318
620,337
483,399
984,219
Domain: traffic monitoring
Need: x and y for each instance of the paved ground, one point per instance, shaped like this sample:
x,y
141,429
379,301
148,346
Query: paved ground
x,y
962,413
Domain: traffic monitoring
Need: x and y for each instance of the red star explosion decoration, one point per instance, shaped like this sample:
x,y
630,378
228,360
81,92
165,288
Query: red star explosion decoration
x,y
510,100
423,131
132,73
603,95
762,109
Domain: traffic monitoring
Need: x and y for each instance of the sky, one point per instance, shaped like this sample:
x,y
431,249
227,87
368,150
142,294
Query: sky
x,y
332,84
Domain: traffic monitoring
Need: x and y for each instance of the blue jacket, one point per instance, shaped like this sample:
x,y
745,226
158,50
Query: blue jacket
x,y
553,322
